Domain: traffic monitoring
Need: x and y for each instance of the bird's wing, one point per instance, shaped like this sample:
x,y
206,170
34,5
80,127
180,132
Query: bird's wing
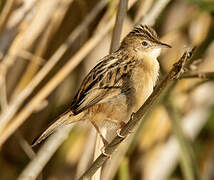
x,y
105,81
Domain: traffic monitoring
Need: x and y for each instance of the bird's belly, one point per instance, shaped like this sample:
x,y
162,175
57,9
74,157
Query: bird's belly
x,y
114,110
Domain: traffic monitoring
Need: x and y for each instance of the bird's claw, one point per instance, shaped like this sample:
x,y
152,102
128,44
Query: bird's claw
x,y
104,153
118,134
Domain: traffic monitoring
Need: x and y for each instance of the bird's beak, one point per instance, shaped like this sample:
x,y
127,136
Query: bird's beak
x,y
164,45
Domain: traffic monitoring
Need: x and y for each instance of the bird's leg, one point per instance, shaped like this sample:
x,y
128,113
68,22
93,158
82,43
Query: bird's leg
x,y
122,124
105,142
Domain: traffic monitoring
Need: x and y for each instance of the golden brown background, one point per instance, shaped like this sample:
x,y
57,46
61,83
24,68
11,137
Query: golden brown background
x,y
35,34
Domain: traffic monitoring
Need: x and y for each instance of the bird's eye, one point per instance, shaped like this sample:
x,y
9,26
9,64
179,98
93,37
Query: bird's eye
x,y
145,44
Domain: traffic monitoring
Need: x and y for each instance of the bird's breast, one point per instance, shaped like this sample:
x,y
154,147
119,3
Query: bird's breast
x,y
144,78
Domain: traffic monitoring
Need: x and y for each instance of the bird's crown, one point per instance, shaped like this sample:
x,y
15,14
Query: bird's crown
x,y
145,32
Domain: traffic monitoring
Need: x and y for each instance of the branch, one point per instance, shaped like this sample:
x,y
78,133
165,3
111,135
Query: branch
x,y
202,75
175,73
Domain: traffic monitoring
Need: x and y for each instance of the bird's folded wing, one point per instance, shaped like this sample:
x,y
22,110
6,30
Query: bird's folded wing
x,y
105,81
96,96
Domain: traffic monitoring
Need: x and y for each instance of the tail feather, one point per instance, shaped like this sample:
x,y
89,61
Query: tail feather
x,y
66,118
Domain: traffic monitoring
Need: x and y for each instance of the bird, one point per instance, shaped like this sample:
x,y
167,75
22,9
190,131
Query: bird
x,y
117,86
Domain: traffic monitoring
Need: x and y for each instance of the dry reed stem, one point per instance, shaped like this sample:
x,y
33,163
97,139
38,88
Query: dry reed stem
x,y
29,56
24,145
32,67
154,12
110,12
12,27
5,14
54,24
97,151
143,9
121,14
19,14
87,155
33,169
7,115
44,9
3,95
30,35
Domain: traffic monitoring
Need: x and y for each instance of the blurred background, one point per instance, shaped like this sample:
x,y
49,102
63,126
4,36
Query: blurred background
x,y
46,49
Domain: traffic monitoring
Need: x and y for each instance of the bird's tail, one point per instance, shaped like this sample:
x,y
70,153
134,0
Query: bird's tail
x,y
66,118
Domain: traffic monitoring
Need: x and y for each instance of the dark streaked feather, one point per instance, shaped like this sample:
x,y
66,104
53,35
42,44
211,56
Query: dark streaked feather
x,y
108,80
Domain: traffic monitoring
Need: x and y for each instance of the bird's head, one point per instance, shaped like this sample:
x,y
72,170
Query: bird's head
x,y
143,41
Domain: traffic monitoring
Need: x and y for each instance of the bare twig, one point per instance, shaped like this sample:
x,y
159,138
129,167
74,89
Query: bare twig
x,y
136,117
26,148
121,13
202,75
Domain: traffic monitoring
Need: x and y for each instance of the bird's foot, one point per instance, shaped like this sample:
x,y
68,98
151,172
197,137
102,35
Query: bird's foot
x,y
104,153
118,134
122,124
